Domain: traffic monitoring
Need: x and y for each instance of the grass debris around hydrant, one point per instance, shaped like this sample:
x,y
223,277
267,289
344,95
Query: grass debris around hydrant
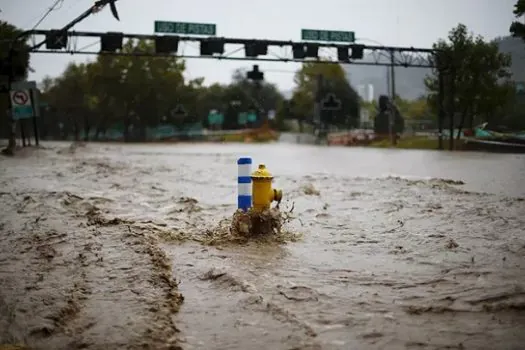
x,y
266,226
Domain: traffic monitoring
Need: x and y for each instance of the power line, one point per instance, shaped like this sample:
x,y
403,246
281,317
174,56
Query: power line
x,y
49,10
89,45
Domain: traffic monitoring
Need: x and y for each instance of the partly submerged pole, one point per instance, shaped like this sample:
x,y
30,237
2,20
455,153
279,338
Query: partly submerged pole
x,y
244,183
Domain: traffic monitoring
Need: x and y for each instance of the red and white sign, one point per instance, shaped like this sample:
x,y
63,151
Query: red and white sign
x,y
20,98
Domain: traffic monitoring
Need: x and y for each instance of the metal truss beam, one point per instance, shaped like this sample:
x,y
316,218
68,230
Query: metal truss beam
x,y
373,55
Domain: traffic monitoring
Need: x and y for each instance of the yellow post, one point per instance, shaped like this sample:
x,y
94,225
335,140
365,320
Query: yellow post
x,y
262,192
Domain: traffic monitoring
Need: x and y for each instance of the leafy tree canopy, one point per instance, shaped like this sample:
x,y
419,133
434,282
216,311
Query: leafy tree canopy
x,y
476,73
333,81
517,28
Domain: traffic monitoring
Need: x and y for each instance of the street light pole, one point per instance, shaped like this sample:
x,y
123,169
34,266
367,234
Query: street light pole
x,y
391,90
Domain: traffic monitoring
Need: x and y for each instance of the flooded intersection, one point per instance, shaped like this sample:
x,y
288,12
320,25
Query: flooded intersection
x,y
386,255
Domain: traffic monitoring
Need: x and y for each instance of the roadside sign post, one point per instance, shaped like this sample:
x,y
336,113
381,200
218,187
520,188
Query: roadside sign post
x,y
178,112
22,104
25,99
330,103
185,28
215,119
21,109
36,113
242,118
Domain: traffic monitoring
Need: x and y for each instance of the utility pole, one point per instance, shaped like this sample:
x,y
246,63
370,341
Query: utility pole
x,y
452,111
392,109
441,108
440,99
317,104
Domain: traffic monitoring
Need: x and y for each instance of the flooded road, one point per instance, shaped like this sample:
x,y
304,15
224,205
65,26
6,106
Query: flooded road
x,y
396,249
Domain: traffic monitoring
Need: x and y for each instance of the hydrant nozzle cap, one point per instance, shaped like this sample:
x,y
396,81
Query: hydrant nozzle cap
x,y
262,173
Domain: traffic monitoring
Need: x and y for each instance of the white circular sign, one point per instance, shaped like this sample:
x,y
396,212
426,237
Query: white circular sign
x,y
20,98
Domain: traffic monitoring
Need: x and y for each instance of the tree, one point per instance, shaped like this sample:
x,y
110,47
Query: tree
x,y
517,29
334,81
133,93
475,70
18,70
136,95
8,34
413,109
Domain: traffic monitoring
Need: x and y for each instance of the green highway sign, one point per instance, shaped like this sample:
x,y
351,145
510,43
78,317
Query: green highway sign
x,y
251,117
215,118
185,28
327,35
242,118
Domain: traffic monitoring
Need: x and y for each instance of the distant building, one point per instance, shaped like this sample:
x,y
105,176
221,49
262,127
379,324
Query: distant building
x,y
516,48
366,92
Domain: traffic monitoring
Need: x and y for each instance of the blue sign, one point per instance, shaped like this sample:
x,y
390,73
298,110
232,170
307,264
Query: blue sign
x,y
252,117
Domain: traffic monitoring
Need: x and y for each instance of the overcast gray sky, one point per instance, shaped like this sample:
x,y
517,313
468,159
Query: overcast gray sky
x,y
416,23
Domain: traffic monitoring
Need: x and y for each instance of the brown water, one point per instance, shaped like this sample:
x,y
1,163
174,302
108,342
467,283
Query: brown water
x,y
395,252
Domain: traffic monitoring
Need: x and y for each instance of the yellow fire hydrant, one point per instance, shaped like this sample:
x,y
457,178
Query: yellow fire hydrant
x,y
262,192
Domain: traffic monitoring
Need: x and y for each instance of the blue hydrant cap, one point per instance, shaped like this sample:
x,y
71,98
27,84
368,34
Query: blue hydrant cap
x,y
244,160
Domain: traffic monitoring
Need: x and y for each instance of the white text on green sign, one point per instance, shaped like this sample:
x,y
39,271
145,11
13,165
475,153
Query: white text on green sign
x,y
327,35
185,28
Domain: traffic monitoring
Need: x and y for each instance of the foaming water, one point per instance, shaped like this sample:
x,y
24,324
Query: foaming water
x,y
399,249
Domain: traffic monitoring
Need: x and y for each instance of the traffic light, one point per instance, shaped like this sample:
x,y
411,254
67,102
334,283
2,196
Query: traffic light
x,y
255,74
298,51
301,51
254,49
357,52
212,46
384,103
342,54
56,40
312,50
111,41
166,44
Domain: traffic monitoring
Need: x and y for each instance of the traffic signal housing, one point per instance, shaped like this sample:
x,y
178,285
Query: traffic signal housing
x,y
301,51
166,44
312,50
111,42
298,51
357,51
255,74
342,54
211,46
254,49
56,40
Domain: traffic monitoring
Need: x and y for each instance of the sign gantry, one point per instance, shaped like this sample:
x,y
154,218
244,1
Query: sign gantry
x,y
344,49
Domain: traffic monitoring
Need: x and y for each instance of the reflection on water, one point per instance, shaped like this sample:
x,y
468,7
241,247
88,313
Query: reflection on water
x,y
393,256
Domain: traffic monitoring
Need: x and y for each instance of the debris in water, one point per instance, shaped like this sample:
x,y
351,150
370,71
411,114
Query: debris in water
x,y
451,244
252,225
309,190
72,148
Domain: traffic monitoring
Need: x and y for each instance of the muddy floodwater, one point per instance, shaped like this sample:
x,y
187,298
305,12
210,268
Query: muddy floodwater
x,y
112,246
